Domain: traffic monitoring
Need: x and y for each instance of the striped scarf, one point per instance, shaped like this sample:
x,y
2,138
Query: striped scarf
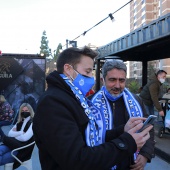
x,y
105,116
92,135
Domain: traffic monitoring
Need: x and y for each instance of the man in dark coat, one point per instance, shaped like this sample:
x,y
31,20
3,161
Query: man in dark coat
x,y
150,92
116,105
65,128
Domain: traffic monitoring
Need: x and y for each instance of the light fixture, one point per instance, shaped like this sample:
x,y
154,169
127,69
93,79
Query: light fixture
x,y
73,43
111,17
84,33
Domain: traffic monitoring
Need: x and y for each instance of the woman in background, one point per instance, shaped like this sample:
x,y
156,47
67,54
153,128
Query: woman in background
x,y
6,114
21,134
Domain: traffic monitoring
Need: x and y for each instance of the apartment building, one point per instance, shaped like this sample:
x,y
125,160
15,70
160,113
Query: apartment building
x,y
143,12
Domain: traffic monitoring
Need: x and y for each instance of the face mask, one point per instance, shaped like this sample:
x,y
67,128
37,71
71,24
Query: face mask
x,y
162,80
83,83
110,96
25,114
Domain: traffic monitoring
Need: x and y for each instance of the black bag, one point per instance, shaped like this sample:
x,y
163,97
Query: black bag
x,y
12,143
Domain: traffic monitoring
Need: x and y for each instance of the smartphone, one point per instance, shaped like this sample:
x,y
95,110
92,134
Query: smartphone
x,y
149,121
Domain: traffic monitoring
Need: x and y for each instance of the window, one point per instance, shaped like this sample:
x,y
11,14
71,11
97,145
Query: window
x,y
143,17
135,3
143,1
143,9
135,10
135,17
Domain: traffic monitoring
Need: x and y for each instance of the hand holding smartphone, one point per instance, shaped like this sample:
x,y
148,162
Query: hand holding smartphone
x,y
149,121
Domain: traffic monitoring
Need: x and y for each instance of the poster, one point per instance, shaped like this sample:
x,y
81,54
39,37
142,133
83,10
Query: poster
x,y
22,79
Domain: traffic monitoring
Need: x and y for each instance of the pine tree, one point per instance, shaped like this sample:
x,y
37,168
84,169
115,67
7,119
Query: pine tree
x,y
44,48
57,51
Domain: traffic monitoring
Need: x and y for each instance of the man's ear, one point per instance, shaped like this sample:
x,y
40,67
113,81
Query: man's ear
x,y
67,69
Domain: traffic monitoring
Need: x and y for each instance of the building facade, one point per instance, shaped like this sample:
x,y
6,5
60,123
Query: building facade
x,y
143,12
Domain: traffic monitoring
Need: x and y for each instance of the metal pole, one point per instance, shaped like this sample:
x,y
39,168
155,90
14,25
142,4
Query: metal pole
x,y
144,72
66,43
98,75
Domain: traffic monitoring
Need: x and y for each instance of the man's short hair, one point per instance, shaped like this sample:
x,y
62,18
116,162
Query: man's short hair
x,y
113,64
72,56
160,72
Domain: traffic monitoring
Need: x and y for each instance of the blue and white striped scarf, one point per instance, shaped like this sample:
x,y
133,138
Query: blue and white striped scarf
x,y
105,116
92,135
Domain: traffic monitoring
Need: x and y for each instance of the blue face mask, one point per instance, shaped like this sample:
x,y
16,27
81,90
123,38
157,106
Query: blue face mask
x,y
111,97
84,83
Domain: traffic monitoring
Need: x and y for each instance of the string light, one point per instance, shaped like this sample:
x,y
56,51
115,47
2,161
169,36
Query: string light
x,y
111,17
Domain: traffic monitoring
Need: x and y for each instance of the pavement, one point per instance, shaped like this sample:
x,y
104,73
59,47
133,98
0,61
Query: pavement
x,y
157,164
162,146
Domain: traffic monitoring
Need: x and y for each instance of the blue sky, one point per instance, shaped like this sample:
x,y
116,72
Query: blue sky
x,y
23,21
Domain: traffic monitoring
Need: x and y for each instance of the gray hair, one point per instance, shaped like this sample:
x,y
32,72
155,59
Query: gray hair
x,y
113,64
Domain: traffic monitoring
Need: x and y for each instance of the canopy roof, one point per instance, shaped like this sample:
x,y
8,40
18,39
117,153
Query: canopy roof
x,y
150,42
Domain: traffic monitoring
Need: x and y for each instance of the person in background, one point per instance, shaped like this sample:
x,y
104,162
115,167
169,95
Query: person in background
x,y
150,92
6,114
21,135
71,139
117,105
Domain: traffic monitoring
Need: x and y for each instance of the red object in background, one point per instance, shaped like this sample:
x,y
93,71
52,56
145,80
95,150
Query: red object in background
x,y
0,52
90,92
